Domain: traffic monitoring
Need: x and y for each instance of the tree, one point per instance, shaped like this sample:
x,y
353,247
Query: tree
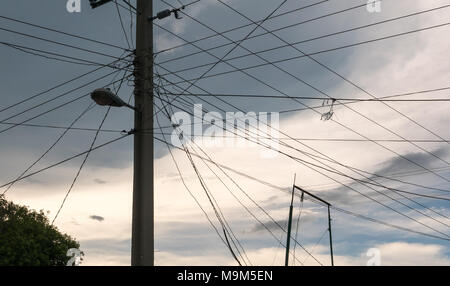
x,y
28,239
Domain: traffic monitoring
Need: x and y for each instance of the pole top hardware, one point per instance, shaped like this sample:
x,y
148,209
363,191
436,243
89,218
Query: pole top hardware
x,y
97,3
166,13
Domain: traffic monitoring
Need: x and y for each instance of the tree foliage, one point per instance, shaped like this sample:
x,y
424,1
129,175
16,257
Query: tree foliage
x,y
28,239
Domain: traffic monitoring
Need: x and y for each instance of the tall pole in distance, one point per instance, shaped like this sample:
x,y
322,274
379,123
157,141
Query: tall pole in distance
x,y
142,241
288,239
329,217
331,240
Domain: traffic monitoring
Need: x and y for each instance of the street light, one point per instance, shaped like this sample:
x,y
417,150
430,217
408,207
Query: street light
x,y
105,97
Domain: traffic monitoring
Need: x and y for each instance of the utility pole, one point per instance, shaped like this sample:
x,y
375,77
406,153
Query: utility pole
x,y
142,242
288,239
329,220
329,230
142,237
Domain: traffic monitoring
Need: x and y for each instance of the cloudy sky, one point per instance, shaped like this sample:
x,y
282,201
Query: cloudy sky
x,y
397,140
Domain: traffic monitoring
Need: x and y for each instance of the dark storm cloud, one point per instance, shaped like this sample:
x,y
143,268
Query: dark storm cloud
x,y
275,226
399,164
97,218
344,195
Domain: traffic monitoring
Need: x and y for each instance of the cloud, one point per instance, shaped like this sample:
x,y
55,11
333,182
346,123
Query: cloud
x,y
183,234
396,164
99,181
413,254
97,218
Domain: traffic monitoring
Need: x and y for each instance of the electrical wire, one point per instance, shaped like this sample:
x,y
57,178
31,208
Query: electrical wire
x,y
314,53
320,91
297,42
81,166
285,133
66,160
55,87
58,43
121,24
340,209
302,162
63,33
231,50
61,136
357,86
311,97
244,26
76,60
55,108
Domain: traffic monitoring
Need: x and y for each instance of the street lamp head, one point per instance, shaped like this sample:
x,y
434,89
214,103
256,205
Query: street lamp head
x,y
105,97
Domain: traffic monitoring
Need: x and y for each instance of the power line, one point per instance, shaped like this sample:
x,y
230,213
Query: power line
x,y
357,86
52,99
121,24
209,195
317,243
230,51
311,86
240,188
339,209
312,53
247,25
86,156
129,5
293,43
439,158
58,43
46,56
63,33
313,149
63,127
390,189
312,98
360,193
316,111
352,168
387,224
83,61
55,87
81,166
55,108
66,160
301,161
259,221
51,147
319,139
191,194
349,212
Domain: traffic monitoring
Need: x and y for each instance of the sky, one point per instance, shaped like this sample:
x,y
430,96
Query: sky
x,y
250,188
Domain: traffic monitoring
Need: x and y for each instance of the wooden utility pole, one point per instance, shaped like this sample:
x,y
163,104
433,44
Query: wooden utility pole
x,y
288,239
142,242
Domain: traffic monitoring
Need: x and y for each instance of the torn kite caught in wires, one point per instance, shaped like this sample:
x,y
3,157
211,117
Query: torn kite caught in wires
x,y
328,115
